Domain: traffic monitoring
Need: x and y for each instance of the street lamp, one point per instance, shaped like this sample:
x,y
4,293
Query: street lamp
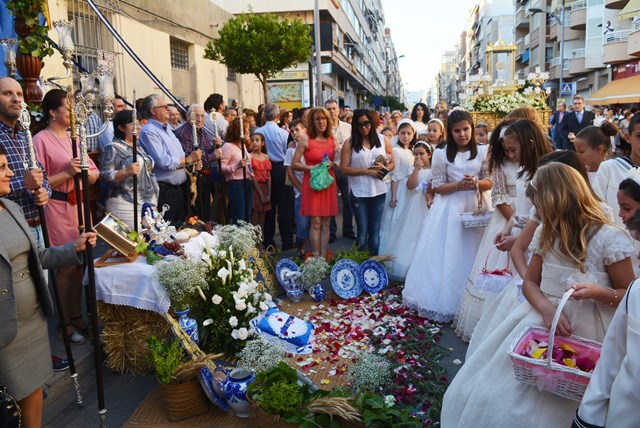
x,y
560,21
387,76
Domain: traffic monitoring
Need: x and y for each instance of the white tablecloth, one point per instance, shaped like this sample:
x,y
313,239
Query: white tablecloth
x,y
133,284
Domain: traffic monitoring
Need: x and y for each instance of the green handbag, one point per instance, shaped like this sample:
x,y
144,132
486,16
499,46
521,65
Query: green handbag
x,y
320,177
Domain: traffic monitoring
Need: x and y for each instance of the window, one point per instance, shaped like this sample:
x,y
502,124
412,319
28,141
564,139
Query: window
x,y
179,54
231,75
89,35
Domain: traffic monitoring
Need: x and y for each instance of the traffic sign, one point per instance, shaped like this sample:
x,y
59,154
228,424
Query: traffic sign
x,y
568,88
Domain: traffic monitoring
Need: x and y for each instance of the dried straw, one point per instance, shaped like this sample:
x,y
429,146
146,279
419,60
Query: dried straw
x,y
335,406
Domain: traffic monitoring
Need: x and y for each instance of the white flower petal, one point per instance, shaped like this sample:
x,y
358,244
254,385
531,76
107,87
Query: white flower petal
x,y
207,322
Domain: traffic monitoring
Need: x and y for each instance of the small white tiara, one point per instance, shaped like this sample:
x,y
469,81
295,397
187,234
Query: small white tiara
x,y
634,174
598,121
503,131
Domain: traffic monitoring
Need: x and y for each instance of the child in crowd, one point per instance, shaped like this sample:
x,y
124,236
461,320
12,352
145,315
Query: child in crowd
x,y
423,136
593,145
611,172
261,177
611,398
514,151
576,246
387,132
403,241
482,133
297,129
435,133
396,197
446,249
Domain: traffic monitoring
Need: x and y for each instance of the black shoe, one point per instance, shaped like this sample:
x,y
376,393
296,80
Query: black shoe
x,y
332,239
349,235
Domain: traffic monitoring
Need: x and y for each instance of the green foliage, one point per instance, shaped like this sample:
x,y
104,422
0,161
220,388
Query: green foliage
x,y
355,254
260,44
277,391
377,413
36,43
166,357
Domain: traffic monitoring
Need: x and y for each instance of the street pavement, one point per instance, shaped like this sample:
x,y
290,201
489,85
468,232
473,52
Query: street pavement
x,y
124,392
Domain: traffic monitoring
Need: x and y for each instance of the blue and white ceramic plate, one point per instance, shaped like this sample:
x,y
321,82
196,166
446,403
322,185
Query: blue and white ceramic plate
x,y
284,269
373,276
345,279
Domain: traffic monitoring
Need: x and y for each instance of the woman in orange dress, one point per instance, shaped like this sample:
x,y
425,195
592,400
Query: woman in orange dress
x,y
319,205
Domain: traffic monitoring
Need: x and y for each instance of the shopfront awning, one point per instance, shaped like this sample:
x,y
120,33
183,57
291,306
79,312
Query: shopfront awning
x,y
631,10
621,91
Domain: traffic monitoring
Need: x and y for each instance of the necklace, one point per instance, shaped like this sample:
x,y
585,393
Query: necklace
x,y
66,149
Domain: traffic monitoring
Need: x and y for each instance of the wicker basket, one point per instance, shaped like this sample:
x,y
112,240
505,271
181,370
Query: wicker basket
x,y
261,419
184,400
560,380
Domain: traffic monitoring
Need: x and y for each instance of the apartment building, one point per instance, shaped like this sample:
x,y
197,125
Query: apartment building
x,y
169,38
358,56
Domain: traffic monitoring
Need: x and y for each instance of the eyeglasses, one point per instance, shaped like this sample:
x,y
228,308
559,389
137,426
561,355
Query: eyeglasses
x,y
166,107
364,124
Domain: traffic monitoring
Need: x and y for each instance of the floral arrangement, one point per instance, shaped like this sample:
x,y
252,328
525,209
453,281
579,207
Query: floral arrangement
x,y
313,270
240,238
564,355
199,225
370,372
181,279
483,98
260,355
230,298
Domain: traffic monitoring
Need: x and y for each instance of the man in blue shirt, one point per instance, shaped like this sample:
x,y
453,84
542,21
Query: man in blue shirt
x,y
165,149
276,140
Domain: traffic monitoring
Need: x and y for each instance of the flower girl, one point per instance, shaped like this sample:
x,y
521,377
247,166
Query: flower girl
x,y
446,249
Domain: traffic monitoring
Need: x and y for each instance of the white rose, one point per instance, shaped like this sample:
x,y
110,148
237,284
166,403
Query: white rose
x,y
242,265
263,306
241,305
223,273
267,297
235,334
243,333
216,299
241,293
233,322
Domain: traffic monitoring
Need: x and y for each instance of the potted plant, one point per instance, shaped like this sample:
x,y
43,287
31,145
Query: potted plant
x,y
33,43
176,373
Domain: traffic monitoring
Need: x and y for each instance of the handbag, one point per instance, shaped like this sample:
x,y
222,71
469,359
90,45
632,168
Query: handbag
x,y
492,281
9,410
320,177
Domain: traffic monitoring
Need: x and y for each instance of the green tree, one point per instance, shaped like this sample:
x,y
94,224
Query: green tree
x,y
260,44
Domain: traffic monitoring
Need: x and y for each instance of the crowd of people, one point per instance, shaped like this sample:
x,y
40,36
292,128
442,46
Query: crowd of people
x,y
555,206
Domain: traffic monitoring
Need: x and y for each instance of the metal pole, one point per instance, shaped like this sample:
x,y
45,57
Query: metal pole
x,y
316,36
561,48
387,84
134,156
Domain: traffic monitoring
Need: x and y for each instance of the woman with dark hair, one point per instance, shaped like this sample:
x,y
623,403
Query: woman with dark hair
x,y
319,205
420,116
366,158
117,170
240,189
54,150
25,302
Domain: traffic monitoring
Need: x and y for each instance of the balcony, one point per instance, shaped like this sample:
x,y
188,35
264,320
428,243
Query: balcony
x,y
520,46
521,18
576,62
633,44
615,4
554,68
578,15
614,50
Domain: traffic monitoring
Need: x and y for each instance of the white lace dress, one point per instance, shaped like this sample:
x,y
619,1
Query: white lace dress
x,y
485,392
446,250
503,192
391,217
608,178
401,244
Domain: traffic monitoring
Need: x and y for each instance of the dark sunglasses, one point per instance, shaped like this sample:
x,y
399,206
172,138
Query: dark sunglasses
x,y
364,124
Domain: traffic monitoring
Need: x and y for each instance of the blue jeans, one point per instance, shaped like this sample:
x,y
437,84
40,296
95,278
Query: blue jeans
x,y
302,223
368,214
237,209
347,213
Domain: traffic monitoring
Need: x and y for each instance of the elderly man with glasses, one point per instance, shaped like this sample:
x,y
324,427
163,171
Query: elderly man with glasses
x,y
170,160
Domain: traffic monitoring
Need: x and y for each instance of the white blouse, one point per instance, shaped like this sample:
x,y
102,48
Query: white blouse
x,y
365,186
